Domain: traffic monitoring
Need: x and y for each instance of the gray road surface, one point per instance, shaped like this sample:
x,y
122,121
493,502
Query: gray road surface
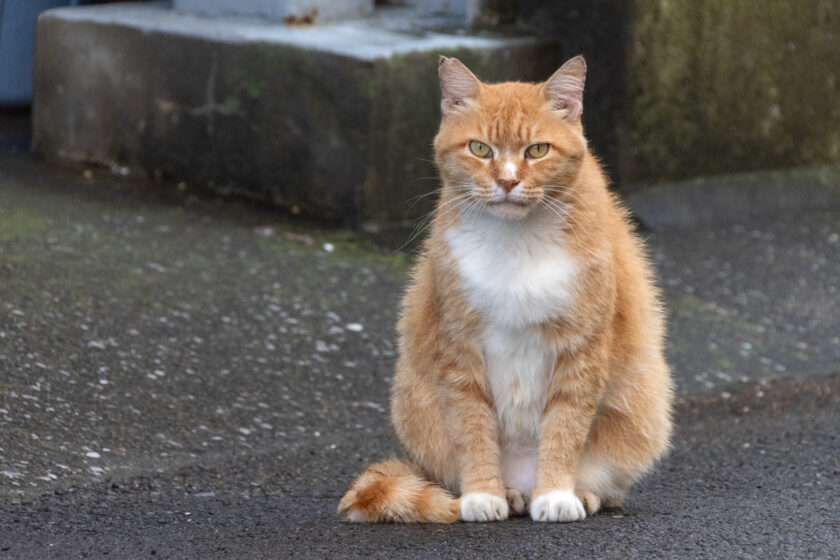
x,y
182,377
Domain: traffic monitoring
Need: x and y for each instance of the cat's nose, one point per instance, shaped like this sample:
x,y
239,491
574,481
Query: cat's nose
x,y
508,184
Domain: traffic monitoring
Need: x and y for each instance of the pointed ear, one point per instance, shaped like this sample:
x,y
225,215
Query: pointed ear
x,y
457,84
565,88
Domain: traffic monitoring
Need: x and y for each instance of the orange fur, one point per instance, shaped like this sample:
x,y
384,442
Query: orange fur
x,y
394,491
483,344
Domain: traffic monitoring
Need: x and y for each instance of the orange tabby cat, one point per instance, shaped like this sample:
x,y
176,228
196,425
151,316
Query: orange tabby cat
x,y
531,376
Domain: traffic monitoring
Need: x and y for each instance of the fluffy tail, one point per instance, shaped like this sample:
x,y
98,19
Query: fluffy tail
x,y
396,491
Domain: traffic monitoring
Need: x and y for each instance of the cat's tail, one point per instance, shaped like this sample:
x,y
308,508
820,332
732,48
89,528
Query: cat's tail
x,y
396,491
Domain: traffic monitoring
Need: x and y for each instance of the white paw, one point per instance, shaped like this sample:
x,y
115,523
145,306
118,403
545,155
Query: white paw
x,y
481,506
558,505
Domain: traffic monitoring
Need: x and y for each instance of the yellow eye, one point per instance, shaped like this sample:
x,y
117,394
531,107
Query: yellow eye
x,y
536,151
481,150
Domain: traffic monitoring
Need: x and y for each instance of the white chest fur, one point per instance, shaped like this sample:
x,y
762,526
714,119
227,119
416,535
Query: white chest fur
x,y
516,272
517,276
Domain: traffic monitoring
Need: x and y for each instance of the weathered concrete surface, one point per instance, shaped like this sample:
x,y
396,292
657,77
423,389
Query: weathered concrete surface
x,y
324,10
190,377
336,120
718,87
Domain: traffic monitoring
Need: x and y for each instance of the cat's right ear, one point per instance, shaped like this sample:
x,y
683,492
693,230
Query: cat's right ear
x,y
457,84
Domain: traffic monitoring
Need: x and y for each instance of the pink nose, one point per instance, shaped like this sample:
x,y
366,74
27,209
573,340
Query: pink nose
x,y
508,184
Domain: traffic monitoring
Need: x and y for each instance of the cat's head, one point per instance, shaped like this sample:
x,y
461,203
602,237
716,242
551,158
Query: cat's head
x,y
507,149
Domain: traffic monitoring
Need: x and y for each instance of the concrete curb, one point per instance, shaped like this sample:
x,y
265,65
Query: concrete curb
x,y
728,199
336,119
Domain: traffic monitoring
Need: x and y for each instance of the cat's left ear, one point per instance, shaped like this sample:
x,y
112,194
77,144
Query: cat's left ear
x,y
565,88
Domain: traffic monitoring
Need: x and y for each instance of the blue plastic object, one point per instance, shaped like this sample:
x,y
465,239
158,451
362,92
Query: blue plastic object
x,y
17,41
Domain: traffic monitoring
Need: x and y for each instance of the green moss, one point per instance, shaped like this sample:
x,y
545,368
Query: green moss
x,y
232,104
268,55
725,364
347,247
20,223
692,309
250,76
720,86
252,89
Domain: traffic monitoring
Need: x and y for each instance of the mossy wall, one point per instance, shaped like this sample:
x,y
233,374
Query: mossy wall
x,y
721,86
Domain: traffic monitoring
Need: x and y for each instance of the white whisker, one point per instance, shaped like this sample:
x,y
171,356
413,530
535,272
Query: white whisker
x,y
561,211
426,220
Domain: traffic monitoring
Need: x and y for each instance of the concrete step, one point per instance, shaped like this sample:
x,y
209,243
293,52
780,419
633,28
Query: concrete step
x,y
335,120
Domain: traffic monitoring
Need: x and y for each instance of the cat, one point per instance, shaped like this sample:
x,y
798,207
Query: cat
x,y
531,376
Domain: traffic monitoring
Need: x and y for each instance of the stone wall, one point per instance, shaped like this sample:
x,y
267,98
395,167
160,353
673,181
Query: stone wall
x,y
720,86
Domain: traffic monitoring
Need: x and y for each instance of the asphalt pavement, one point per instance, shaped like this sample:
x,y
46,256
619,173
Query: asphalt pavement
x,y
184,376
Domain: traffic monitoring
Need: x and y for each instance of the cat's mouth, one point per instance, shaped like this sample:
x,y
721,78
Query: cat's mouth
x,y
509,202
508,208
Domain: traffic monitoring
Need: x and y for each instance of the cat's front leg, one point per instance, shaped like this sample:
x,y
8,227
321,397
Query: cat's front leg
x,y
473,426
576,387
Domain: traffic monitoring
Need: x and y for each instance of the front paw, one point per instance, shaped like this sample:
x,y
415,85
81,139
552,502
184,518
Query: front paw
x,y
558,505
481,506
